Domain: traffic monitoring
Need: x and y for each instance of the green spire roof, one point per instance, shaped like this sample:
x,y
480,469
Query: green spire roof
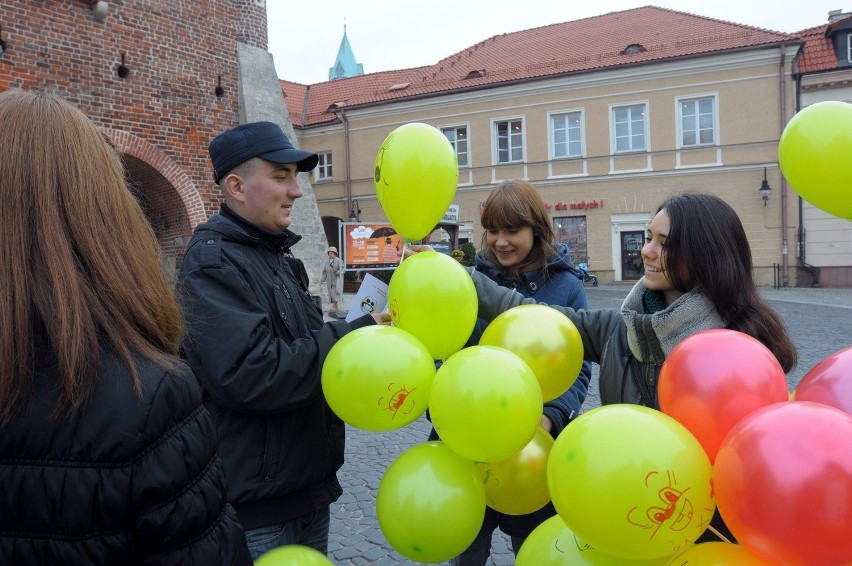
x,y
345,65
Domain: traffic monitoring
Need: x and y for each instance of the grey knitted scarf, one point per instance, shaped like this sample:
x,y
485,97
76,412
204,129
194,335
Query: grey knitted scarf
x,y
652,337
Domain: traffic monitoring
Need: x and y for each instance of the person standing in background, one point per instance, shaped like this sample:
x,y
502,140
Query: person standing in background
x,y
519,253
331,278
107,455
257,343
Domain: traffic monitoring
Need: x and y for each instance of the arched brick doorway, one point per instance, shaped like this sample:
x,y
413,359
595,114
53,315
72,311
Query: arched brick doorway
x,y
164,209
168,196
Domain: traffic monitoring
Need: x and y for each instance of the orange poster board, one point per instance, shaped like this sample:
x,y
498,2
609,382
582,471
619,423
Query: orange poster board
x,y
370,246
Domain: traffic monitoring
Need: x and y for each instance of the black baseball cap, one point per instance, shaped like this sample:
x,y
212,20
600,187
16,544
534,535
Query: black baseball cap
x,y
256,139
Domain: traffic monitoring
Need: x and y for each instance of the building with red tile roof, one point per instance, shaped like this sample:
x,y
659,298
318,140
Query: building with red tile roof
x,y
618,110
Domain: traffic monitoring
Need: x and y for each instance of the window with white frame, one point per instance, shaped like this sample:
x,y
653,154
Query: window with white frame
x,y
324,172
697,121
849,48
566,131
629,127
458,139
509,139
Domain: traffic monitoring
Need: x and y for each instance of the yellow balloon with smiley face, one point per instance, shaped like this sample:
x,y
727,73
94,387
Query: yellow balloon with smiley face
x,y
631,481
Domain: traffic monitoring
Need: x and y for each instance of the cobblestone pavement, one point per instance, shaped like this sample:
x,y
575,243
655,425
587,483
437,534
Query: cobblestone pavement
x,y
818,320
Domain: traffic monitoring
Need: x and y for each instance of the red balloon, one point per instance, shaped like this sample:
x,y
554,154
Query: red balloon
x,y
713,379
829,382
783,482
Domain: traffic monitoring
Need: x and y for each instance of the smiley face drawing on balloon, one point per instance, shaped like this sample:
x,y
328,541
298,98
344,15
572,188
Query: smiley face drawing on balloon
x,y
400,400
674,512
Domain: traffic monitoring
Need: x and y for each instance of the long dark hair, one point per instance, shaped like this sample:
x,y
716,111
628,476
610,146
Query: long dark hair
x,y
80,265
707,247
516,204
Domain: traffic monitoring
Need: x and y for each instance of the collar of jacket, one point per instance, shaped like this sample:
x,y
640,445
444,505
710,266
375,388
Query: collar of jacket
x,y
250,233
652,336
530,280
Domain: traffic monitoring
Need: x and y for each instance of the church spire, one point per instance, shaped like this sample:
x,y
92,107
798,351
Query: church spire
x,y
345,65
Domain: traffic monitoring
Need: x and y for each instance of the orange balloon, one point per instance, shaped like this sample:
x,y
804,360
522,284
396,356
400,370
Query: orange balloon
x,y
829,382
518,484
783,482
714,378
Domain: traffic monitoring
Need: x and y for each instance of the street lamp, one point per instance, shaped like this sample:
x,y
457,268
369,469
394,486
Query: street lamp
x,y
765,189
355,212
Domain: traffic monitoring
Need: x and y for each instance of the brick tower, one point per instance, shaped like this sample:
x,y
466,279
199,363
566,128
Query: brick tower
x,y
161,78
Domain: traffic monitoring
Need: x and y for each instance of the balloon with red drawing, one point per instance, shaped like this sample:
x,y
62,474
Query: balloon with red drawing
x,y
378,378
631,482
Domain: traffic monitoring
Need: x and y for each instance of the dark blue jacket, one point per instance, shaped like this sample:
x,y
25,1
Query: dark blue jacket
x,y
559,283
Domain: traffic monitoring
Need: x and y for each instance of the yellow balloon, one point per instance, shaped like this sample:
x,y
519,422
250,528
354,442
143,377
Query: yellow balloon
x,y
553,544
485,403
631,481
433,297
293,554
545,339
518,484
378,378
813,153
430,503
717,554
416,176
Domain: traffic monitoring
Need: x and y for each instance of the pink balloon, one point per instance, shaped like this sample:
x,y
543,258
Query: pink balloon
x,y
829,382
783,483
714,378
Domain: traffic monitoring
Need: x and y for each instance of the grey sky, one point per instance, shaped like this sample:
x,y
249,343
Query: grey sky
x,y
394,34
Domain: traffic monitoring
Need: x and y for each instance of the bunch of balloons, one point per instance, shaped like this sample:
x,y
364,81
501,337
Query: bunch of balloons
x,y
637,486
485,401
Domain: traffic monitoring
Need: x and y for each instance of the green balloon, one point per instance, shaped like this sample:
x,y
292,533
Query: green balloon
x,y
430,503
293,554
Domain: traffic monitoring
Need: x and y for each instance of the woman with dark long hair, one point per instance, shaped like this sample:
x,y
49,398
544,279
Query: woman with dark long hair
x,y
107,455
698,276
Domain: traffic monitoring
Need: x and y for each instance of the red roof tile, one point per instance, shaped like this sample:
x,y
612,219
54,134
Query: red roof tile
x,y
578,46
818,51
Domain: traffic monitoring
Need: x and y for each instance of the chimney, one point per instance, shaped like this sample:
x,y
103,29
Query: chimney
x,y
835,15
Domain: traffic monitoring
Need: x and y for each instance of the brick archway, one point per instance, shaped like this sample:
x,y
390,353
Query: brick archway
x,y
167,195
137,147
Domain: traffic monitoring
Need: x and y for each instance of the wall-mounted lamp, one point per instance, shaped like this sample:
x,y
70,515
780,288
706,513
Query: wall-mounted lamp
x,y
99,10
220,92
355,213
2,43
765,189
123,71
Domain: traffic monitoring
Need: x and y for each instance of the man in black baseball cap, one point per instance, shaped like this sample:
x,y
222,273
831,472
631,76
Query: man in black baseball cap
x,y
257,139
256,341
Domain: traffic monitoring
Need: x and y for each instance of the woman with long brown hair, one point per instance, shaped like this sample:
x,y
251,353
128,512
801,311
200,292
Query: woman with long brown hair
x,y
107,455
